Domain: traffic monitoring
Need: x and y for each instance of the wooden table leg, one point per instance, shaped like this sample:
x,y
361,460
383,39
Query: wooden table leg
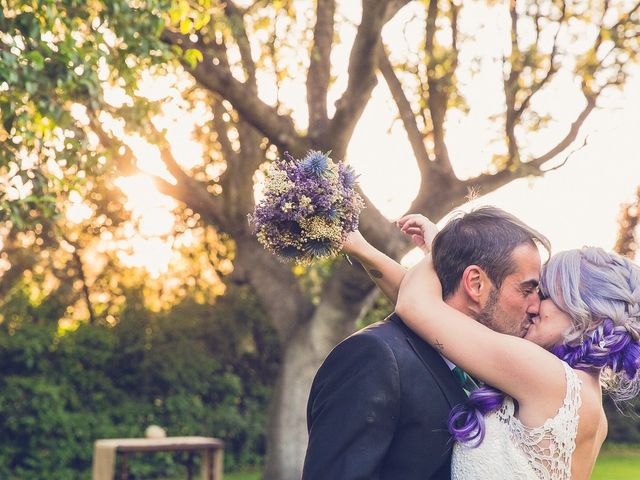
x,y
124,475
206,466
218,463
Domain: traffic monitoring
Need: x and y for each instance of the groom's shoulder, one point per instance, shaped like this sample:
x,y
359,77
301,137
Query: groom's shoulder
x,y
376,344
389,331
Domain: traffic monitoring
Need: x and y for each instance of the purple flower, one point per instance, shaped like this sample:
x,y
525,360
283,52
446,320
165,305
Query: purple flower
x,y
348,177
309,208
314,164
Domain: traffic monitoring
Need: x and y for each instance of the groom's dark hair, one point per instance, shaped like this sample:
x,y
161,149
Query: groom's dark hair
x,y
485,237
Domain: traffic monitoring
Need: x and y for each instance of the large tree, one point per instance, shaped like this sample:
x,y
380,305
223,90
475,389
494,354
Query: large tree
x,y
239,60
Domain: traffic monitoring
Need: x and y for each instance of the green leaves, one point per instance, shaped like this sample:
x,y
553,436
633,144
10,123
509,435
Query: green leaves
x,y
36,59
193,56
194,370
189,19
54,55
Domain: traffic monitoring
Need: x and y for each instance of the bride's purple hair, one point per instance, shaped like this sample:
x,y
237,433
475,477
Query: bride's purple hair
x,y
601,293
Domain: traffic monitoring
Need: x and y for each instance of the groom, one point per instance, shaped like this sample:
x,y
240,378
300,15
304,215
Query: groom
x,y
379,404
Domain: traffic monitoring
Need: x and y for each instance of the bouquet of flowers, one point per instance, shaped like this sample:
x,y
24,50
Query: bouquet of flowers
x,y
309,207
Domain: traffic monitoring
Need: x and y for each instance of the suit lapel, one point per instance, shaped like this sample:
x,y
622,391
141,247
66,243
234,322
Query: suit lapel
x,y
431,359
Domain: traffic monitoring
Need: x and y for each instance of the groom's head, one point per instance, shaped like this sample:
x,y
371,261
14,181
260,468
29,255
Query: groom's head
x,y
489,266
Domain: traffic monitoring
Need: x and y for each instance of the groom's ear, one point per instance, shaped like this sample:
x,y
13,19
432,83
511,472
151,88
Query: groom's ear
x,y
476,286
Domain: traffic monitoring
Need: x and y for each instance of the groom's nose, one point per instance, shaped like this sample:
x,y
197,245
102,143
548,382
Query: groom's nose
x,y
534,305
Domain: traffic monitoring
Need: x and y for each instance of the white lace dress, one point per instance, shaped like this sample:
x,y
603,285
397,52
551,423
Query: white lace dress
x,y
511,450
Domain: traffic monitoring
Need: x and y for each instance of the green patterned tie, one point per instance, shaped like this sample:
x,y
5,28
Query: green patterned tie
x,y
468,384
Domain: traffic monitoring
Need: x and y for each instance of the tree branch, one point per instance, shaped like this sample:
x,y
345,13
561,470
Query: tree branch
x,y
439,86
362,73
238,179
571,135
320,67
416,138
220,127
566,159
124,158
279,129
168,159
83,279
511,89
187,190
490,182
239,33
551,70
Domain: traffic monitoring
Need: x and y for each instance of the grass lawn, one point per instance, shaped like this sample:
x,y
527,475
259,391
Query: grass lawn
x,y
616,462
255,475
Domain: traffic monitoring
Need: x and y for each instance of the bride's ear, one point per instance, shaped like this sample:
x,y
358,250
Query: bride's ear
x,y
476,285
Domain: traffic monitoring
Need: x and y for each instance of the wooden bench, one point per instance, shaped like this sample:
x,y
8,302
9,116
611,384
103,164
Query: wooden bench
x,y
106,450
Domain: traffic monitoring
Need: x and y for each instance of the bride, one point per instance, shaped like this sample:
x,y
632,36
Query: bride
x,y
542,416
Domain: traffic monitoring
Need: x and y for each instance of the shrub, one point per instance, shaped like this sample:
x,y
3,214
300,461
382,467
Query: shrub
x,y
195,370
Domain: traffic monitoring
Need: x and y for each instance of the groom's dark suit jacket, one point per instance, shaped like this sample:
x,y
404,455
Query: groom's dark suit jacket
x,y
378,409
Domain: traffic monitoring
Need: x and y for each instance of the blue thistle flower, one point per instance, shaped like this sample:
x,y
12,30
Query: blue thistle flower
x,y
291,227
314,164
288,253
348,177
319,248
332,213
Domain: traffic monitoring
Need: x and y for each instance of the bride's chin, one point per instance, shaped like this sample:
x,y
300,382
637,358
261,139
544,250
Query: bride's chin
x,y
527,334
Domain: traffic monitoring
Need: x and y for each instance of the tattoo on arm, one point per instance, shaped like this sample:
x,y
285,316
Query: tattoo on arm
x,y
375,273
439,346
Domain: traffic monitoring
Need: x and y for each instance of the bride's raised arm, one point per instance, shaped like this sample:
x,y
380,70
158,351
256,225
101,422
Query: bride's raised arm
x,y
516,366
385,272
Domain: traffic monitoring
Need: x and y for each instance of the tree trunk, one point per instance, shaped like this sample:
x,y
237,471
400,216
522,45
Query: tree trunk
x,y
301,357
287,429
346,298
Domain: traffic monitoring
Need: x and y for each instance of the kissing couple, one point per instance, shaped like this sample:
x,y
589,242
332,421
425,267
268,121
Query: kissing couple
x,y
491,367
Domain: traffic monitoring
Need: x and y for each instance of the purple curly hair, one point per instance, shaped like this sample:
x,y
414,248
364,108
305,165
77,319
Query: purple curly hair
x,y
601,293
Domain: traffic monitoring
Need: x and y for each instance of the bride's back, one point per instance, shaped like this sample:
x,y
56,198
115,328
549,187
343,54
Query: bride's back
x,y
592,428
585,403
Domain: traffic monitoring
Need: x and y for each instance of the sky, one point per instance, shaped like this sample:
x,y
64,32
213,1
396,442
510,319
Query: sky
x,y
577,204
